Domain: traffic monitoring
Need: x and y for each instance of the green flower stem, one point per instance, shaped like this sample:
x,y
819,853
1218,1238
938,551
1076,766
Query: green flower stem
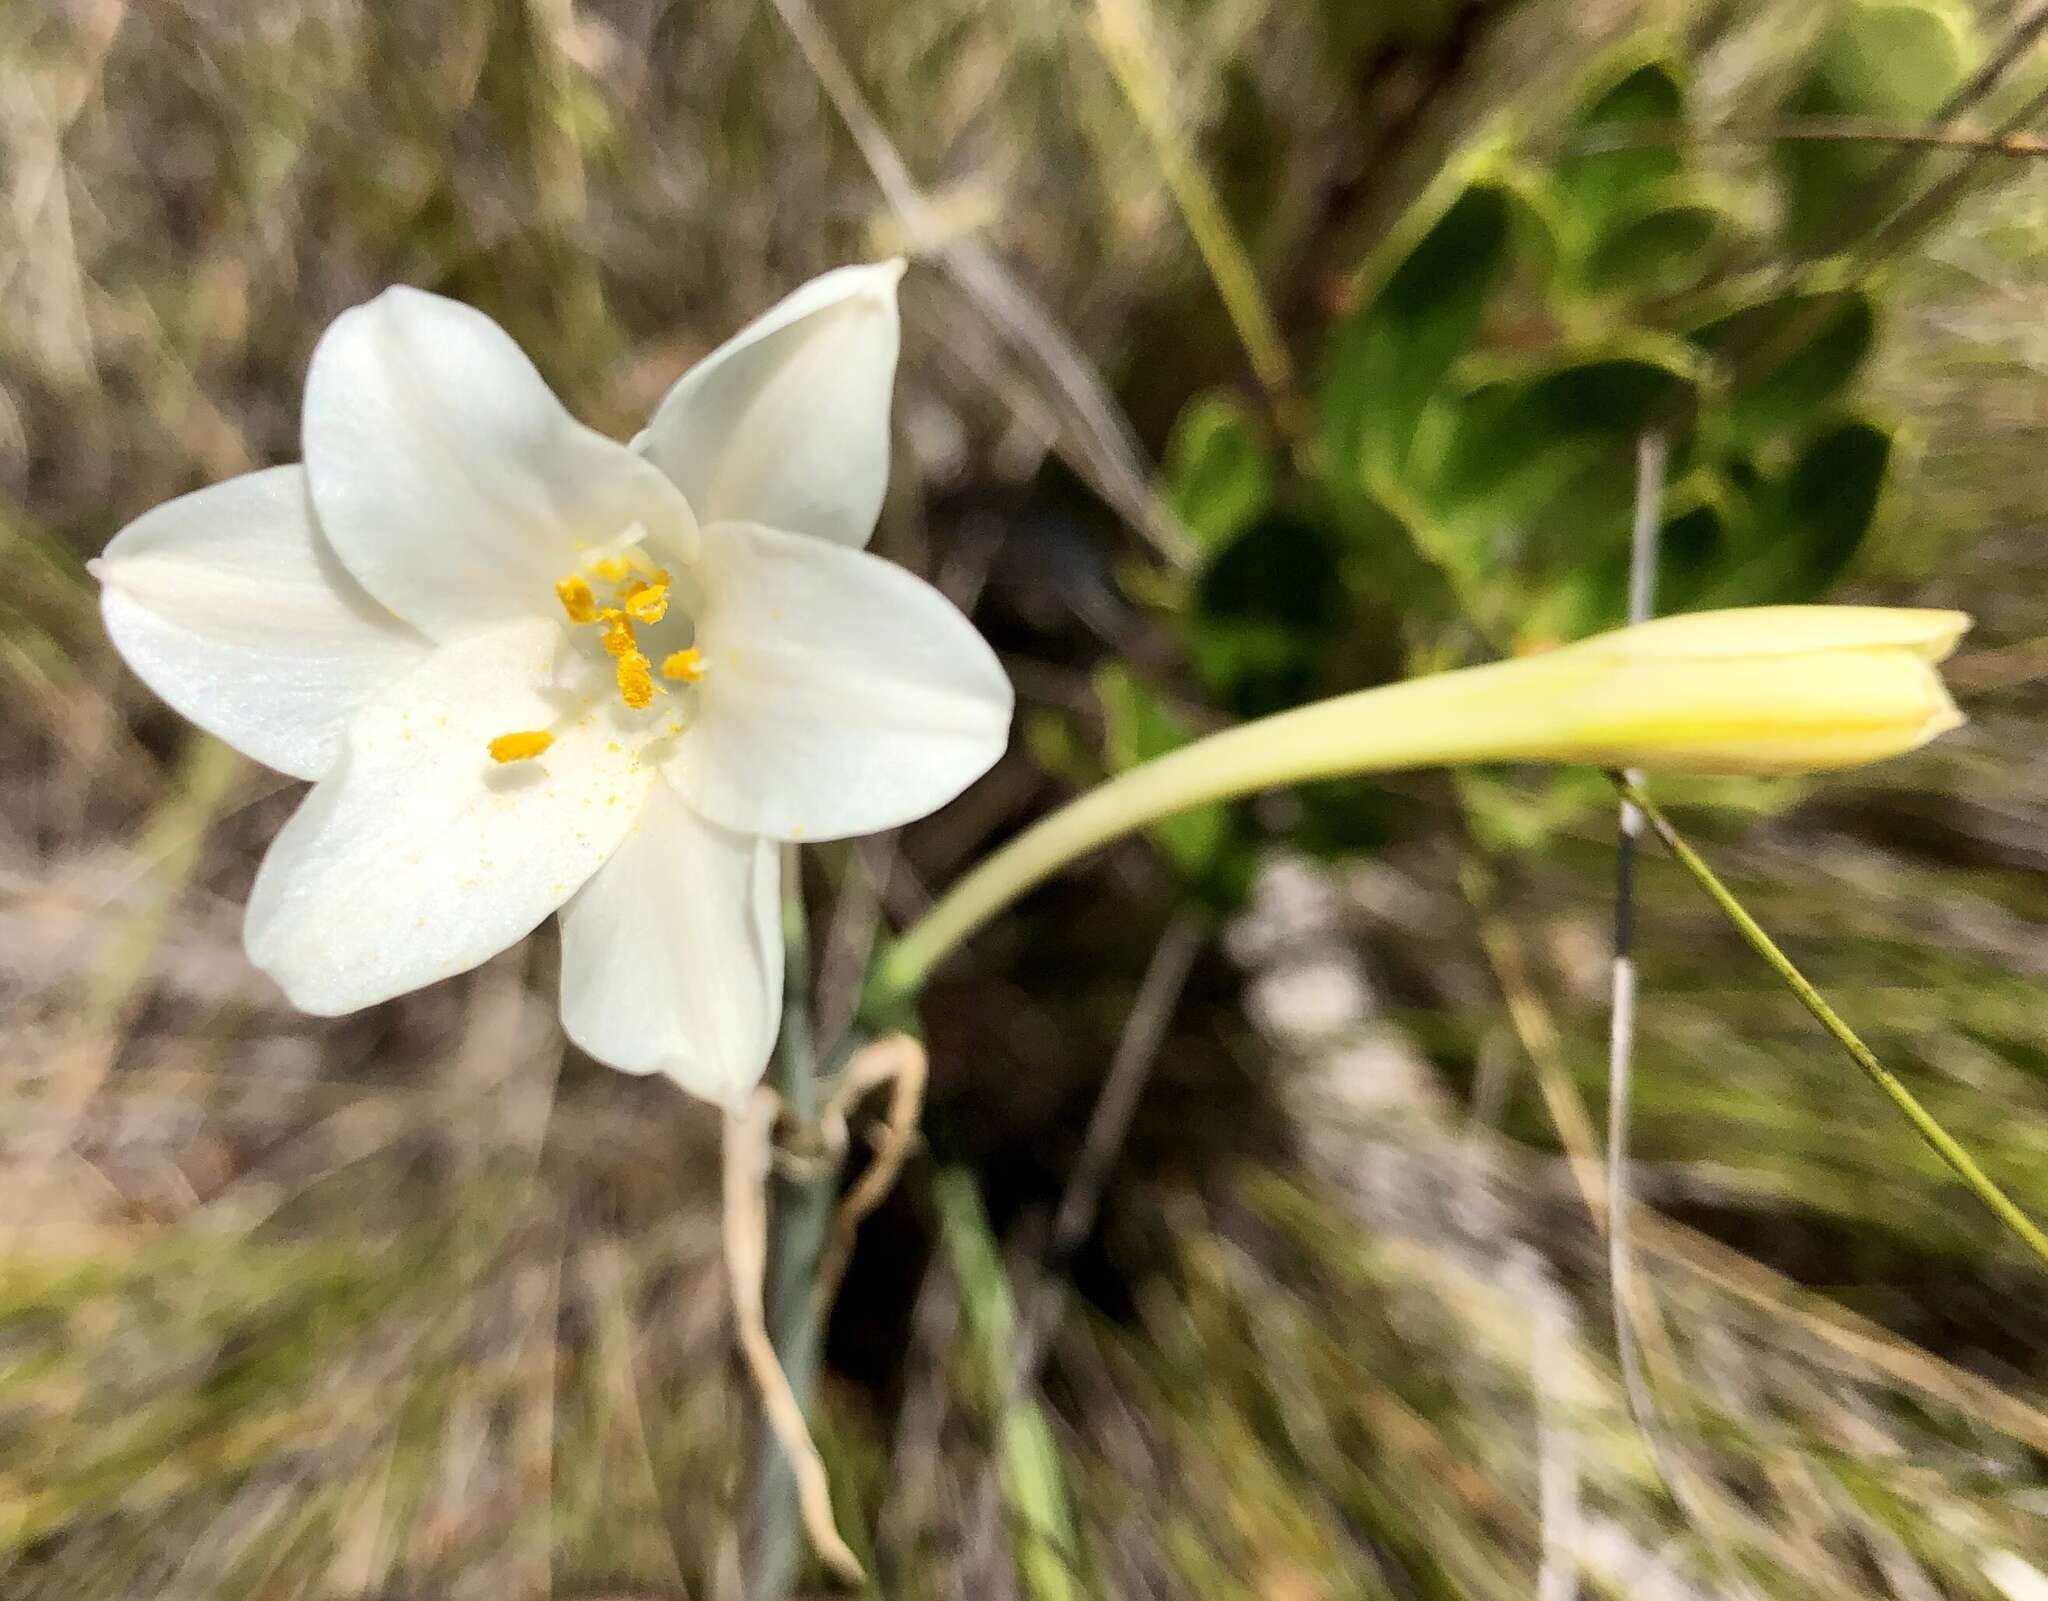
x,y
1500,712
802,1219
1979,1183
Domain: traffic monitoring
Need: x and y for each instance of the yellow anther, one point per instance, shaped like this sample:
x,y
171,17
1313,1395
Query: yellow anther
x,y
636,680
576,598
618,633
648,603
643,596
521,747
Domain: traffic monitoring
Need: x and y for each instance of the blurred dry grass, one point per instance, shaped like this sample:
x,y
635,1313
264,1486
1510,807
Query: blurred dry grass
x,y
413,1305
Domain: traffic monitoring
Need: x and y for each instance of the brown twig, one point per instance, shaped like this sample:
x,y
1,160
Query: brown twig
x,y
1800,130
898,1061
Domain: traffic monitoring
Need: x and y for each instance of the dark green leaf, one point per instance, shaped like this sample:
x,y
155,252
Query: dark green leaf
x,y
1264,606
1533,480
1218,473
1388,357
1892,60
1514,438
1788,358
1138,726
1657,250
1812,523
1599,185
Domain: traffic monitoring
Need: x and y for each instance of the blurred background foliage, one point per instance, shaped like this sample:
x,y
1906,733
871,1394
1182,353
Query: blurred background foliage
x,y
419,1304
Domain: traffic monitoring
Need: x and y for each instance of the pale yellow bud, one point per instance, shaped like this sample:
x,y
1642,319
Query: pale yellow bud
x,y
1770,689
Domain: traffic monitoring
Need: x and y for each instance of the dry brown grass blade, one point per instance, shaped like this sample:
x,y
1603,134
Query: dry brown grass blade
x,y
1854,1344
1123,33
1105,448
131,939
604,1271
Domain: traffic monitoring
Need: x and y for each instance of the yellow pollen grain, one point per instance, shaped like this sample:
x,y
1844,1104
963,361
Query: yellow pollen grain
x,y
576,598
618,633
636,680
648,603
521,747
612,569
687,665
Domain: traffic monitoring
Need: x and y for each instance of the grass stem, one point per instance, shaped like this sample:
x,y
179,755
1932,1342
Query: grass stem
x,y
1964,1166
802,1222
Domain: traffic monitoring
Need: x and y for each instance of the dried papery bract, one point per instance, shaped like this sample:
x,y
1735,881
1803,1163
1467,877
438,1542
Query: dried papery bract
x,y
748,1148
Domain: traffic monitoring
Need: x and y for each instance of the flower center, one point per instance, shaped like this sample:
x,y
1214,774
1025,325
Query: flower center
x,y
615,591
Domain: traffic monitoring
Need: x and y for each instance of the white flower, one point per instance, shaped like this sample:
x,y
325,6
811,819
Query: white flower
x,y
534,669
